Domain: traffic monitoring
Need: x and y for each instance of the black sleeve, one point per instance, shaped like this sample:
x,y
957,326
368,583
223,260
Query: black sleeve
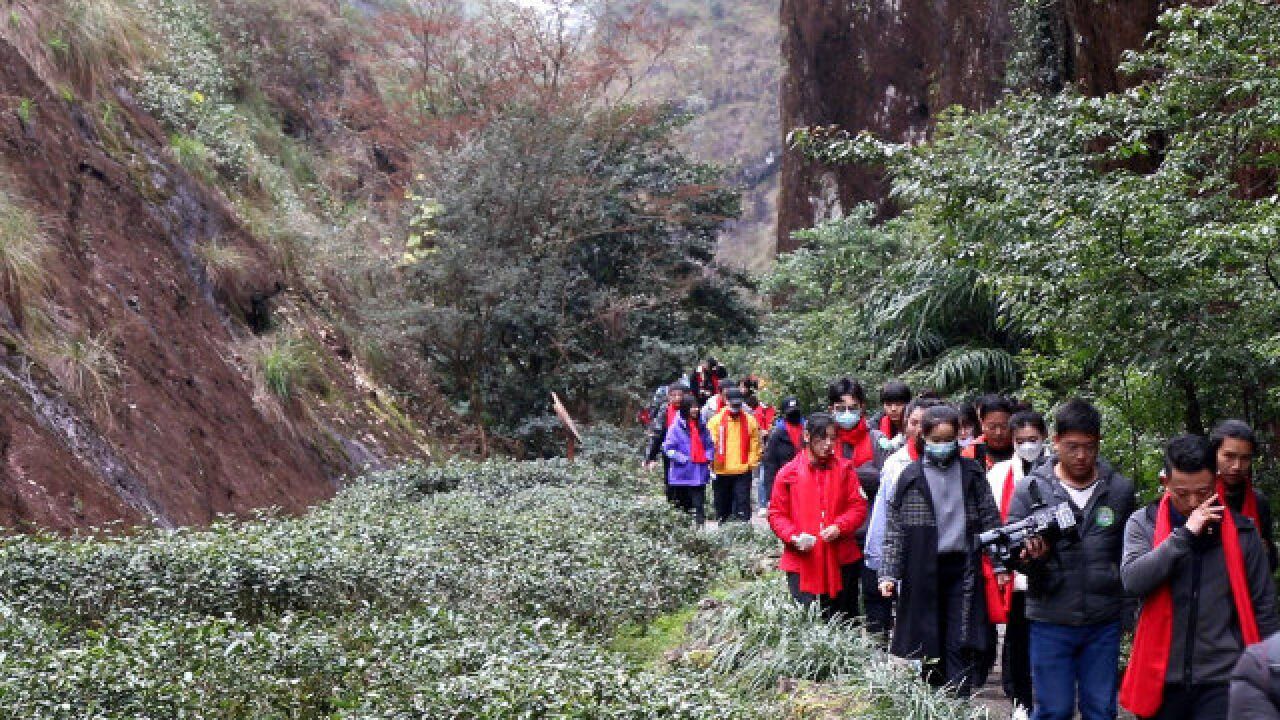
x,y
657,433
1267,531
770,462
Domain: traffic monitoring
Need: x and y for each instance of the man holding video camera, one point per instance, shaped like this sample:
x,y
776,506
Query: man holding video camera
x,y
1075,600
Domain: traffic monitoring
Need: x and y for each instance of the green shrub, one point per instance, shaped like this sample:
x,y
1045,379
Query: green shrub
x,y
24,249
286,363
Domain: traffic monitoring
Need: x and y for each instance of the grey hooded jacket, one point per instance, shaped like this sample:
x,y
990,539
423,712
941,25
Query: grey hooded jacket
x,y
1206,640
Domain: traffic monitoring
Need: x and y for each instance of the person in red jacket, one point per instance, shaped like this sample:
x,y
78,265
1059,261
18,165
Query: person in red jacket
x,y
816,507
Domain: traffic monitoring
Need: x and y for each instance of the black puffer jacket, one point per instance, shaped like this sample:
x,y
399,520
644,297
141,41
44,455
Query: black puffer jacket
x,y
1078,583
778,451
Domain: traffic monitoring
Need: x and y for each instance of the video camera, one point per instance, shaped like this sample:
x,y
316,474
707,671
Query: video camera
x,y
1049,523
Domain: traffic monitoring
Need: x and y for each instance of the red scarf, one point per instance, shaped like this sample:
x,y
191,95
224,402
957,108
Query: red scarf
x,y
744,432
673,412
820,567
1250,507
999,600
860,439
913,452
697,452
795,431
886,427
1142,691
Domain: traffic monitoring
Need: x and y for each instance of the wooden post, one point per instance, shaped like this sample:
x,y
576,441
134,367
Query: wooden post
x,y
571,428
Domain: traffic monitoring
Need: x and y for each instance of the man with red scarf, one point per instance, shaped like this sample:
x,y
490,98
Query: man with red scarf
x,y
1235,445
1201,571
817,505
856,441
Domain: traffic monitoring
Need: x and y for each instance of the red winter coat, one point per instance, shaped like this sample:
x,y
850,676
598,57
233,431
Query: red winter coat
x,y
807,498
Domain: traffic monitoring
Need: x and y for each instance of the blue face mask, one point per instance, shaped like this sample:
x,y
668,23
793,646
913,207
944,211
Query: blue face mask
x,y
941,453
848,419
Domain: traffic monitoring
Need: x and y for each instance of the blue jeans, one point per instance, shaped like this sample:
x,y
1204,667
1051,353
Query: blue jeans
x,y
1069,662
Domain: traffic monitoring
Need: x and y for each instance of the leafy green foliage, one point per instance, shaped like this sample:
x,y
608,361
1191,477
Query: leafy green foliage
x,y
574,252
470,591
1125,242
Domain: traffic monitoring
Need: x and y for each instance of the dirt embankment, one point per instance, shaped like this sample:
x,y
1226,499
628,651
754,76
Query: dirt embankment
x,y
179,432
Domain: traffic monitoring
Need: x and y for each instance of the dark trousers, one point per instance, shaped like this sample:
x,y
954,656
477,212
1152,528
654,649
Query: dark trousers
x,y
1015,658
879,609
666,473
955,669
733,497
1195,702
831,606
691,499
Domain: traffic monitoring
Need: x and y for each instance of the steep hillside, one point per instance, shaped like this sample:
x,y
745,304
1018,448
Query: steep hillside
x,y
892,67
723,67
171,345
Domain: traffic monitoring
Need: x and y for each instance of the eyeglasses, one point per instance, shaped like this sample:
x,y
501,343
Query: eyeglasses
x,y
842,407
1078,449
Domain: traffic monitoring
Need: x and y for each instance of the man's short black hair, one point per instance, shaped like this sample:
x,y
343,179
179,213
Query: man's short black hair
x,y
895,391
988,404
817,424
846,386
1028,418
969,415
1237,429
920,403
1076,415
1189,454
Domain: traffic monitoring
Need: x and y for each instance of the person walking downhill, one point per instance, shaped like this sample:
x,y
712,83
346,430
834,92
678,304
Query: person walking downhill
x,y
1202,573
1235,446
932,560
661,422
880,608
1008,605
817,505
737,441
689,448
1075,601
856,441
784,441
995,445
890,421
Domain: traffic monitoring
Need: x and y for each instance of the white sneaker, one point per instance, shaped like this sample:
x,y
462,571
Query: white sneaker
x,y
1019,713
763,512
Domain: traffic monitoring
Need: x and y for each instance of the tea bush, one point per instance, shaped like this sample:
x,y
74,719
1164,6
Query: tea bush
x,y
511,539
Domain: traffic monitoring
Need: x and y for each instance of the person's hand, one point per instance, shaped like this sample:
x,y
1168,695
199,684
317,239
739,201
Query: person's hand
x,y
646,465
1208,512
830,533
886,588
804,542
1035,548
1002,579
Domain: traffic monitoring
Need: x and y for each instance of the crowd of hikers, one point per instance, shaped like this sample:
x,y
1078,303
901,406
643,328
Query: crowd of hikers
x,y
880,518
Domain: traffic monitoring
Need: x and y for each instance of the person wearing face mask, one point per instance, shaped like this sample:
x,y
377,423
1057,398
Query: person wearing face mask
x,y
816,507
856,442
931,559
1007,605
880,608
785,440
663,418
737,441
995,445
1235,446
689,449
1075,601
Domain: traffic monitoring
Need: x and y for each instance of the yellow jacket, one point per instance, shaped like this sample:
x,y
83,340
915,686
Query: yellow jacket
x,y
732,442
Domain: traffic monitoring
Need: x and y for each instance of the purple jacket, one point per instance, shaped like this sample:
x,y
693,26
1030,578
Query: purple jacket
x,y
683,472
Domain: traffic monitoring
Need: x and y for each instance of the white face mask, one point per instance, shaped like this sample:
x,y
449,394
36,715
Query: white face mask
x,y
1031,451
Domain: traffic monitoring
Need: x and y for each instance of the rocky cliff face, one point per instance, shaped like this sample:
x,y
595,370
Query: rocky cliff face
x,y
889,66
180,432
